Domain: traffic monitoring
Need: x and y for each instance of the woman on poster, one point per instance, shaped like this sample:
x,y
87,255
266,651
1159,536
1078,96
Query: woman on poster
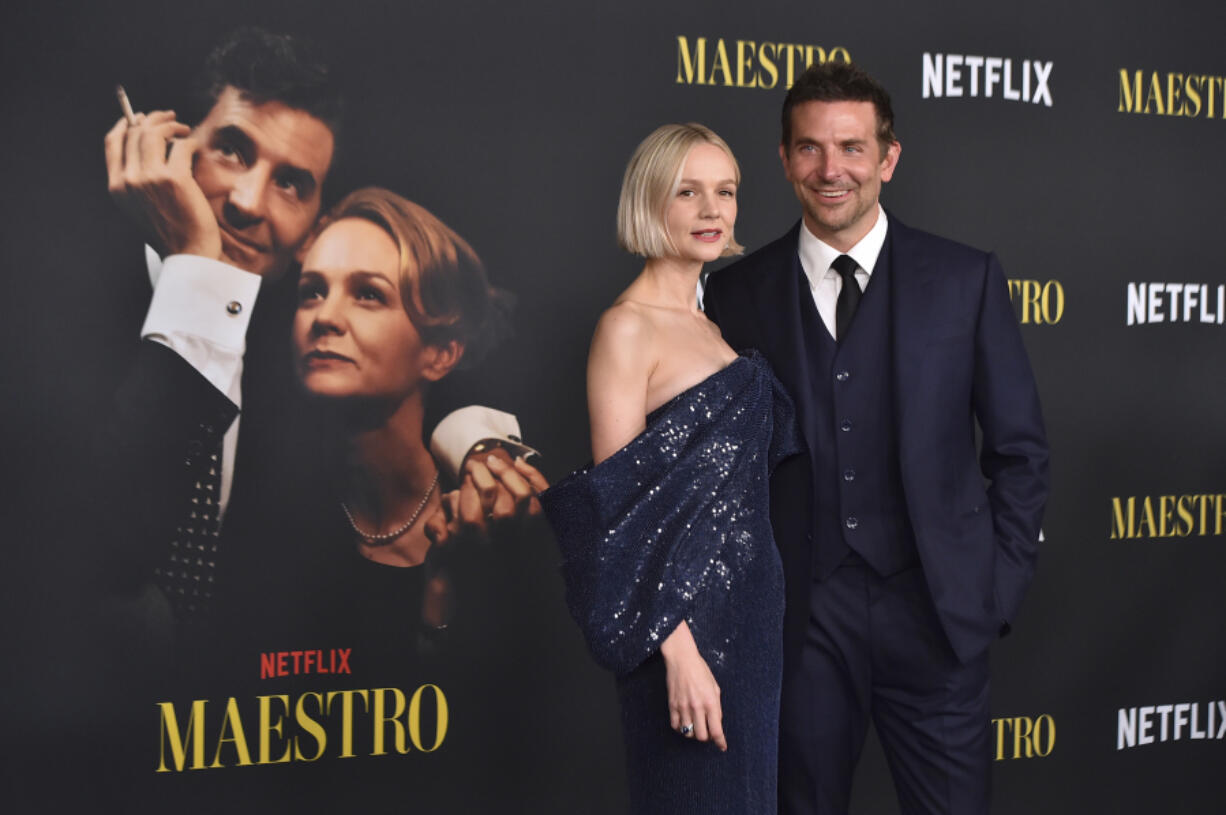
x,y
671,569
391,301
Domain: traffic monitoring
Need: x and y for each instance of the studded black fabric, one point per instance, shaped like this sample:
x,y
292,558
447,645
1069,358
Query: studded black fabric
x,y
188,574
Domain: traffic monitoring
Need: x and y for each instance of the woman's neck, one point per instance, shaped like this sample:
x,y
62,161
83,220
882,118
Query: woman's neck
x,y
671,282
388,468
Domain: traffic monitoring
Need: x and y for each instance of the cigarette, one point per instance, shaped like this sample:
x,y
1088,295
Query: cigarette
x,y
125,105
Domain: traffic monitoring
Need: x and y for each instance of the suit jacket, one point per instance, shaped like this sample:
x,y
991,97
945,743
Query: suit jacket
x,y
957,359
163,409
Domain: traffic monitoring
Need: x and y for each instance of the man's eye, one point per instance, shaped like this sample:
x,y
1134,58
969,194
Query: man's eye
x,y
728,193
289,185
229,152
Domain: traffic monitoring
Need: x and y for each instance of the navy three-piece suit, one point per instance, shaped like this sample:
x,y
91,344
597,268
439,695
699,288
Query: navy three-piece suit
x,y
893,511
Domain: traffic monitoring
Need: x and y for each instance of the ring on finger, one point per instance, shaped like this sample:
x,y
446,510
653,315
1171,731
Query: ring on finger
x,y
687,730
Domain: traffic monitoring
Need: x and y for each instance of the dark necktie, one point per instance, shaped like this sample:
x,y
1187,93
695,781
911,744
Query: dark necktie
x,y
849,296
187,577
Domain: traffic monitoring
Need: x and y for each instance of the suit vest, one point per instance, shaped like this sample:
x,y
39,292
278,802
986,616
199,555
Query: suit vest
x,y
860,506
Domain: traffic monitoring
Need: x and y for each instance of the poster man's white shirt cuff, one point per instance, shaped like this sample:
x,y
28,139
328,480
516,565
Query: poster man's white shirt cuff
x,y
460,430
201,309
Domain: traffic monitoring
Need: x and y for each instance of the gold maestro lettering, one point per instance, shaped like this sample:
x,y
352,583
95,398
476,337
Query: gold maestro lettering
x,y
1041,302
385,720
1172,94
748,63
1024,737
1167,516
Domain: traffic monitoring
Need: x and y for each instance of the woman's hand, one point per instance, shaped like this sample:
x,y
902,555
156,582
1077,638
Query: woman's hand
x,y
502,489
693,693
495,492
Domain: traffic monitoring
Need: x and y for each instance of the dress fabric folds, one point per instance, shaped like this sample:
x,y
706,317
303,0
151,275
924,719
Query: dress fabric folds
x,y
676,526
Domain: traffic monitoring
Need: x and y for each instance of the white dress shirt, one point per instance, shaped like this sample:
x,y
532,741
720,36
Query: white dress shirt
x,y
817,259
201,309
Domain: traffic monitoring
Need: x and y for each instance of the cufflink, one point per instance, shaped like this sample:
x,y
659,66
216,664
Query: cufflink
x,y
475,429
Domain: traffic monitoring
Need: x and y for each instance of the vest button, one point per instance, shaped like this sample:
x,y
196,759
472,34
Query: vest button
x,y
849,475
846,425
842,376
853,522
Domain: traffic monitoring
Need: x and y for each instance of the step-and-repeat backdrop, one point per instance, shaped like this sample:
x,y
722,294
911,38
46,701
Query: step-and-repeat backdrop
x,y
1081,142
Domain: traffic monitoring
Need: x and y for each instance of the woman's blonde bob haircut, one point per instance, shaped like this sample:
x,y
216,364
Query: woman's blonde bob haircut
x,y
443,286
651,180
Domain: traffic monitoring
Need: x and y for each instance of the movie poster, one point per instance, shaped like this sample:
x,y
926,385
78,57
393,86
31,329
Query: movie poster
x,y
275,662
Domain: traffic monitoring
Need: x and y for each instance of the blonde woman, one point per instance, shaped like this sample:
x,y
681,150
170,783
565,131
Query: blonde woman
x,y
391,301
671,569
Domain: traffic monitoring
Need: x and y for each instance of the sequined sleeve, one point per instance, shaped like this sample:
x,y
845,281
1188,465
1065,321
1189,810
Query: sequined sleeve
x,y
786,440
648,535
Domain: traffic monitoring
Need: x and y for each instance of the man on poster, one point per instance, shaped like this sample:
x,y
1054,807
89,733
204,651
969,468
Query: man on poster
x,y
223,208
904,555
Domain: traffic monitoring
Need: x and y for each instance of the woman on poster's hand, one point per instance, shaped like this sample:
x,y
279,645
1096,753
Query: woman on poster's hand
x,y
670,565
390,301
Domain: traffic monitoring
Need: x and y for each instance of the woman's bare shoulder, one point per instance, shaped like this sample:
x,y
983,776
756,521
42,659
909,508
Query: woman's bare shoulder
x,y
625,324
623,352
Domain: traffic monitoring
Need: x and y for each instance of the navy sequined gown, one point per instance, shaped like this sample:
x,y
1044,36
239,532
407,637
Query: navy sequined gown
x,y
676,525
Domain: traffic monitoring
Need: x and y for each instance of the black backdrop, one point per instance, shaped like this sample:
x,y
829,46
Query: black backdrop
x,y
513,122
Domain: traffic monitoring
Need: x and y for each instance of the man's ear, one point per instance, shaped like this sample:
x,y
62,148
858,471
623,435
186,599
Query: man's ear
x,y
890,160
440,360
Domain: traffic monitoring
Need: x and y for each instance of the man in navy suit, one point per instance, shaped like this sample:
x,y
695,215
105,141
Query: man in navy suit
x,y
905,551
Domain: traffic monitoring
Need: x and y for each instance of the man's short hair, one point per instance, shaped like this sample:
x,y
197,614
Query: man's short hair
x,y
650,182
840,82
266,67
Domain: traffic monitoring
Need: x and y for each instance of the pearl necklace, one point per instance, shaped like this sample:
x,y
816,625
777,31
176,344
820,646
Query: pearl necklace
x,y
384,538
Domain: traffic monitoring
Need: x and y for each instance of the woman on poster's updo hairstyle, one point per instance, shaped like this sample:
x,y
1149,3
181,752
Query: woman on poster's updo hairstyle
x,y
671,569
